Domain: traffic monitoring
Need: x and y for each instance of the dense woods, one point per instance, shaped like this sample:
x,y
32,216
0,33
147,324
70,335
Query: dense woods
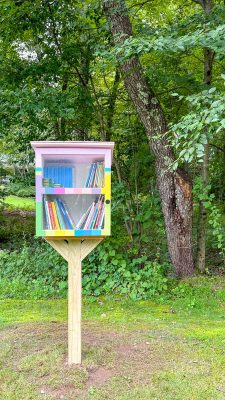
x,y
149,77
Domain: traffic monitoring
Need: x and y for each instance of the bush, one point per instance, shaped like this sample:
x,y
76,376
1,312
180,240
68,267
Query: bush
x,y
14,229
19,189
39,272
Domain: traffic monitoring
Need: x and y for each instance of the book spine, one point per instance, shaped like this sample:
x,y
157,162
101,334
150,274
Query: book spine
x,y
62,176
99,215
94,216
101,220
68,223
53,226
70,177
73,183
49,172
56,174
83,218
88,177
90,184
55,215
59,175
47,217
102,175
66,176
69,215
95,184
87,223
60,217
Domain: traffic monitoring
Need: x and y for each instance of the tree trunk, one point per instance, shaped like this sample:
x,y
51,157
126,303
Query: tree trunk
x,y
174,186
202,221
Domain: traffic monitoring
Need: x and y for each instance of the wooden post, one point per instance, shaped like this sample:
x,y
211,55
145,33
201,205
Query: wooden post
x,y
74,302
74,251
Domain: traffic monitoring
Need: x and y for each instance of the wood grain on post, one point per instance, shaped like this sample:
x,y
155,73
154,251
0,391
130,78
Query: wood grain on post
x,y
74,302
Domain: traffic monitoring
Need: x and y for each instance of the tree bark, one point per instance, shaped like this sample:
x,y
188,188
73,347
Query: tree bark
x,y
112,104
202,221
174,186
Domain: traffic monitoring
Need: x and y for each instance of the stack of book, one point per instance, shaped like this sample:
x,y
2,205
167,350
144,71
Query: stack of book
x,y
96,175
62,175
57,215
47,182
93,218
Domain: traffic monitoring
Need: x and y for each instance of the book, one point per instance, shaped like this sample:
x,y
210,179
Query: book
x,y
95,176
68,214
98,215
83,218
55,215
101,221
65,215
93,217
53,225
60,217
47,215
88,177
62,175
88,221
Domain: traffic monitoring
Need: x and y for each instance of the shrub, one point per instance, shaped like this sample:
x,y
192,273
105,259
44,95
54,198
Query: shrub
x,y
39,272
19,189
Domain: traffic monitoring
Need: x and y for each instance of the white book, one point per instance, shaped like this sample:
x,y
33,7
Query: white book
x,y
83,217
87,223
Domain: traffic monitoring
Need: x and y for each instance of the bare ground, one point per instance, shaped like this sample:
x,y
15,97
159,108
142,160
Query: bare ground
x,y
35,354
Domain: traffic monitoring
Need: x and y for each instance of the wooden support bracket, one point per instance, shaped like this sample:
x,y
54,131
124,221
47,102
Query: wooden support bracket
x,y
74,251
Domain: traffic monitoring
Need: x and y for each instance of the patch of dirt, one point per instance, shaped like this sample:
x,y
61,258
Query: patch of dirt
x,y
15,212
99,376
39,351
57,393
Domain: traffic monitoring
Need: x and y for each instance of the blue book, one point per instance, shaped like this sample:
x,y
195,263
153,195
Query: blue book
x,y
62,208
50,173
89,174
94,216
91,180
56,172
70,177
66,177
61,222
60,175
45,172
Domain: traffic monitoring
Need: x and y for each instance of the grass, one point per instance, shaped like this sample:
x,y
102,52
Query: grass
x,y
22,203
131,350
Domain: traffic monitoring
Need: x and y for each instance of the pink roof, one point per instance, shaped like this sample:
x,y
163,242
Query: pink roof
x,y
61,144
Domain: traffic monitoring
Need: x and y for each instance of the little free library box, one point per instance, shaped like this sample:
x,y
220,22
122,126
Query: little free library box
x,y
73,188
73,211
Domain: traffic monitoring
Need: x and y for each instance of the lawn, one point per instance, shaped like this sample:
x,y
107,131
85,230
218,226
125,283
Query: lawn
x,y
22,203
131,350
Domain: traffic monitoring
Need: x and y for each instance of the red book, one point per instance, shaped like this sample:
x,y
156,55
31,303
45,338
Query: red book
x,y
95,226
51,215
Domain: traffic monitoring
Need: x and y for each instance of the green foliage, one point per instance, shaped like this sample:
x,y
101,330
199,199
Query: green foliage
x,y
30,271
109,270
204,195
19,189
181,36
205,119
57,79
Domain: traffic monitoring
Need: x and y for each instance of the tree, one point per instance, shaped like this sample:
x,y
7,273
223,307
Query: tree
x,y
207,78
174,186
